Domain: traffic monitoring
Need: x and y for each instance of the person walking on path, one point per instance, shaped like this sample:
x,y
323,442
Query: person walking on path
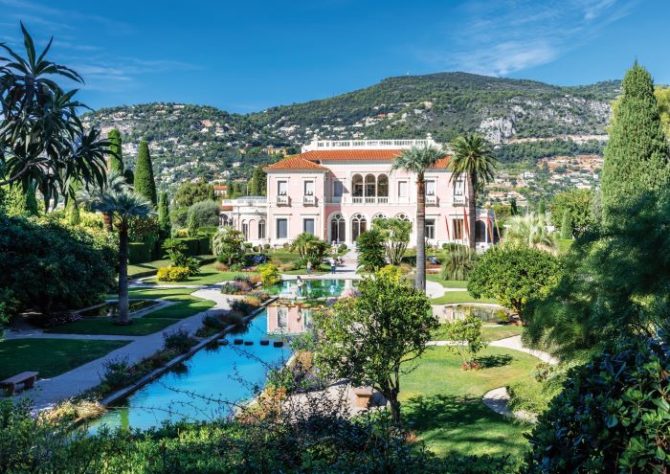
x,y
333,265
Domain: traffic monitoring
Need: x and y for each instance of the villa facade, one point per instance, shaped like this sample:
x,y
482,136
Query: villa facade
x,y
335,189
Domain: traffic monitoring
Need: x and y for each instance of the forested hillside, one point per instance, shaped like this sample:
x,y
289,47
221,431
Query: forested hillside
x,y
190,140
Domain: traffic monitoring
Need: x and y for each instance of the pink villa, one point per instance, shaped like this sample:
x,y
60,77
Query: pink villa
x,y
335,189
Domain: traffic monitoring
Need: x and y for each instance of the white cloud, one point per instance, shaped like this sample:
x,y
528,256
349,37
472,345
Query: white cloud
x,y
499,37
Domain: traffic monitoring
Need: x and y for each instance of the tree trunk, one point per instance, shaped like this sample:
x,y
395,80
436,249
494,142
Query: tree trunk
x,y
123,273
420,283
395,409
107,219
472,211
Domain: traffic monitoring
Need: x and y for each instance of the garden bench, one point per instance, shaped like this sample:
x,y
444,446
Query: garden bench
x,y
26,378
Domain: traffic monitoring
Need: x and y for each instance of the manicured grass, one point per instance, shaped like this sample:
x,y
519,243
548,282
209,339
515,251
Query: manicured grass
x,y
50,357
447,283
455,297
323,269
185,306
208,276
152,267
442,402
489,333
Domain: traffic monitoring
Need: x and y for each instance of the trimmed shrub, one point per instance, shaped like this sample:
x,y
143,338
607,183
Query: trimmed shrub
x,y
173,273
269,274
179,340
140,252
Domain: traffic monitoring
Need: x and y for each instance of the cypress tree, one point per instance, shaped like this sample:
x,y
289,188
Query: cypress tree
x,y
258,182
144,175
164,213
636,156
566,226
115,160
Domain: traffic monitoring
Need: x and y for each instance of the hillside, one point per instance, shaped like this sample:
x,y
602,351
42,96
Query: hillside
x,y
189,140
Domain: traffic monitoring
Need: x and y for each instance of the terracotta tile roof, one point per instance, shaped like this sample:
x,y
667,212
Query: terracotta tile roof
x,y
310,160
295,162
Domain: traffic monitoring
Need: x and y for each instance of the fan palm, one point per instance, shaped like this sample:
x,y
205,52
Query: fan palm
x,y
418,160
531,230
472,158
119,200
42,141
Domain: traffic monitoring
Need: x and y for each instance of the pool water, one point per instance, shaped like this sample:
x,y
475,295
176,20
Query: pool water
x,y
206,386
311,289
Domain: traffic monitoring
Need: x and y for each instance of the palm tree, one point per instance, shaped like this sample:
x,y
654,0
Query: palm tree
x,y
43,142
473,158
531,230
418,160
119,200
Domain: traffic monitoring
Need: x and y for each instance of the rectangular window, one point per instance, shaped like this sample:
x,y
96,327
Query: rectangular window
x,y
282,318
337,189
402,189
282,228
430,228
458,229
308,226
430,188
282,188
245,230
309,188
459,187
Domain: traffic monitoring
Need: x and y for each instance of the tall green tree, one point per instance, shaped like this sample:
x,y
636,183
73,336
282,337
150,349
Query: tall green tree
x,y
43,142
118,199
189,193
636,155
474,160
396,233
144,184
566,225
368,339
115,159
417,161
258,182
164,213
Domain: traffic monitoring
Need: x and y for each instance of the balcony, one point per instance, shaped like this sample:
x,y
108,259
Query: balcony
x,y
432,200
459,200
283,200
309,200
369,200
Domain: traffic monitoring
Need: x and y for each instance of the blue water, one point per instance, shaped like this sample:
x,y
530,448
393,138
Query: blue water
x,y
208,386
311,288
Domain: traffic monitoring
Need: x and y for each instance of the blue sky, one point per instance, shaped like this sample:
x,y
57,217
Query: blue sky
x,y
247,55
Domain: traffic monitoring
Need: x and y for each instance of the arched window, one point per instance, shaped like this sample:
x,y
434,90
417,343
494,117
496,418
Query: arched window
x,y
261,229
370,186
358,225
480,231
402,216
357,185
382,185
337,229
225,220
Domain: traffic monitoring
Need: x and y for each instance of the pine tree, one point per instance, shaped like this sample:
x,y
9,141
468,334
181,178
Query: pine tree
x,y
144,174
566,226
164,213
115,160
636,156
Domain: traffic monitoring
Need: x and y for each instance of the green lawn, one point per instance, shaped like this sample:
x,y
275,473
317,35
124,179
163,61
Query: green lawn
x,y
455,297
185,306
489,333
442,402
153,266
447,283
208,276
50,357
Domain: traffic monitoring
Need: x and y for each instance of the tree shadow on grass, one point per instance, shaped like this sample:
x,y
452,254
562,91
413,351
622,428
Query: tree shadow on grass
x,y
462,425
497,360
